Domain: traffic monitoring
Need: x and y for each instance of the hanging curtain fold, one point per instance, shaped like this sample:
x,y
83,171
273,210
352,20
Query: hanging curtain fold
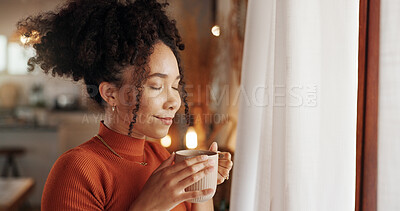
x,y
296,133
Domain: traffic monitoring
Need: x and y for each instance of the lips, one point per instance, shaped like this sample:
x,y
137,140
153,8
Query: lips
x,y
165,120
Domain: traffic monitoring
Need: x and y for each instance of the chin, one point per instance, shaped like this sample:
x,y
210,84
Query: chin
x,y
158,134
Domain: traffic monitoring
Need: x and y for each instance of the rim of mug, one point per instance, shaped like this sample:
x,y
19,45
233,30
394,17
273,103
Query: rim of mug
x,y
201,152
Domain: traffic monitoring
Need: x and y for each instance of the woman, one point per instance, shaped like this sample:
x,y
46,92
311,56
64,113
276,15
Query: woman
x,y
127,55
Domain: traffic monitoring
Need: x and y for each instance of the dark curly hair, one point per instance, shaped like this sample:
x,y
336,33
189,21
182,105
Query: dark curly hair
x,y
95,40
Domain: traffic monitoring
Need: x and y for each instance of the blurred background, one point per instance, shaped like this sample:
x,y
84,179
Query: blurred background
x,y
41,117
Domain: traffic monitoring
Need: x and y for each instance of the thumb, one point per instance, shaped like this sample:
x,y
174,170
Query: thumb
x,y
214,147
166,162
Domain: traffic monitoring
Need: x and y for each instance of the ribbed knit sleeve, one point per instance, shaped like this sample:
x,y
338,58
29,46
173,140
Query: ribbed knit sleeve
x,y
74,183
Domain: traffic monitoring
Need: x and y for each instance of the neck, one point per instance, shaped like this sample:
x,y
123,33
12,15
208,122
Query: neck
x,y
120,125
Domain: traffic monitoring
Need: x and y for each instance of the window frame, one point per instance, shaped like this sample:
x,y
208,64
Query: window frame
x,y
367,106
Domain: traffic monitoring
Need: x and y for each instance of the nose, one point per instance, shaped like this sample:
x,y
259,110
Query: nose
x,y
173,101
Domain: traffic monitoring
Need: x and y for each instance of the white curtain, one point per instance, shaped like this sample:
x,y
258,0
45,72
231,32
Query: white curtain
x,y
389,107
296,138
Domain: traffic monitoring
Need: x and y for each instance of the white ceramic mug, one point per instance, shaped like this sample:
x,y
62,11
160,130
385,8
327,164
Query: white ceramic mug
x,y
209,181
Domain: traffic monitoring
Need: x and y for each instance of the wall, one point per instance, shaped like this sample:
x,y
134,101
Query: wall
x,y
225,81
11,11
389,108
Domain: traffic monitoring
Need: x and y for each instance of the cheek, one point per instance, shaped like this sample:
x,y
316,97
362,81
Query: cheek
x,y
150,107
152,102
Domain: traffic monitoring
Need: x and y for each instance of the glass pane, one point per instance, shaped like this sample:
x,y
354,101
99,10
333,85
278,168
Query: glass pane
x,y
3,51
17,58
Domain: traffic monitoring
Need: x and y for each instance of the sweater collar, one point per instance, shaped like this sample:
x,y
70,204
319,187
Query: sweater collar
x,y
120,143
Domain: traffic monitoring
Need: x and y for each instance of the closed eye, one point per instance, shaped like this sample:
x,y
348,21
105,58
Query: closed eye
x,y
159,88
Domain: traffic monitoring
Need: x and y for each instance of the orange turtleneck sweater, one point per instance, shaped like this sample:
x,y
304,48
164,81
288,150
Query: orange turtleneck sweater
x,y
91,177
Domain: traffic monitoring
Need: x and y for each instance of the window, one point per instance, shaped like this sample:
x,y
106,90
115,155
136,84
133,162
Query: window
x,y
17,58
3,51
13,57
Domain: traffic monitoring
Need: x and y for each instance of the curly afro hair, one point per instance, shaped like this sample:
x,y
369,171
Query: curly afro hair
x,y
95,40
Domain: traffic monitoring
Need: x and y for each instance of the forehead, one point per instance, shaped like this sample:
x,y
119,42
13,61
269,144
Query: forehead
x,y
163,60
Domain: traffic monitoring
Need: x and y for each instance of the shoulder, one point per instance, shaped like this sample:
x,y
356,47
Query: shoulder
x,y
76,155
79,160
78,167
158,149
78,176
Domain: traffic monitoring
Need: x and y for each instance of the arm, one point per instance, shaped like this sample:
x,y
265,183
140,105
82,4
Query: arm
x,y
205,206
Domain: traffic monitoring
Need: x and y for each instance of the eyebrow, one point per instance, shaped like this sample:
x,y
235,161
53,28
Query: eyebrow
x,y
162,75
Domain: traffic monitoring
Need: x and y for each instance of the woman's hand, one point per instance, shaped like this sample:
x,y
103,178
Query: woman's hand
x,y
224,163
166,186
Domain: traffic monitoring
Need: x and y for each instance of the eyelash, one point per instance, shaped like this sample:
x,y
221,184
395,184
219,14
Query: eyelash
x,y
155,88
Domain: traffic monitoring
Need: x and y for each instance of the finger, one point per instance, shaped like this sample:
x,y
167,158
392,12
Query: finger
x,y
221,167
195,194
225,155
193,169
188,162
193,178
190,170
223,172
225,164
214,147
166,163
220,179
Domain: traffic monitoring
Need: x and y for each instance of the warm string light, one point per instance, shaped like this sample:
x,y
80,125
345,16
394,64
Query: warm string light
x,y
29,37
166,141
215,30
24,39
191,138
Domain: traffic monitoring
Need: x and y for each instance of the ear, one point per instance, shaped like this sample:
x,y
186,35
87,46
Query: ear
x,y
109,93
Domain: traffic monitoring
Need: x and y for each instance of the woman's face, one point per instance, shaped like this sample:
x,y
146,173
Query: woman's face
x,y
160,98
